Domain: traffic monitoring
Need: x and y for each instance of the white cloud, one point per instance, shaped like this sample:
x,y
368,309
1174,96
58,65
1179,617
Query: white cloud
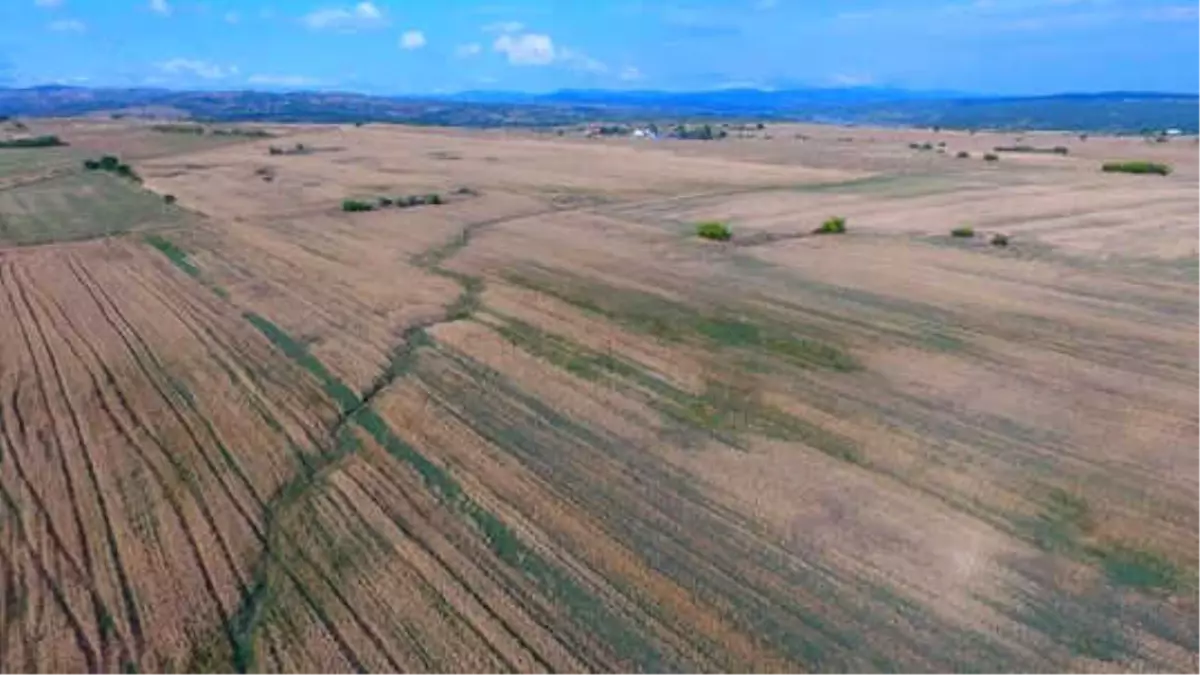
x,y
412,39
630,73
283,80
160,7
468,50
232,17
68,26
363,16
48,3
504,27
526,49
201,69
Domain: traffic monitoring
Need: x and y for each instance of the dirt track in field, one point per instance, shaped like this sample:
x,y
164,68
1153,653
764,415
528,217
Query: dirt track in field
x,y
542,427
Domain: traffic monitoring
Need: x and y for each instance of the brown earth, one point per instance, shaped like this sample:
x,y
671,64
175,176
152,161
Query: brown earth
x,y
541,426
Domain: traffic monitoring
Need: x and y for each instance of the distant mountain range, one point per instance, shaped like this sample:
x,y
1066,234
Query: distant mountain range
x,y
1107,111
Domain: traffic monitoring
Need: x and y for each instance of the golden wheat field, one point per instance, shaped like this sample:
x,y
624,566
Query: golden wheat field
x,y
536,424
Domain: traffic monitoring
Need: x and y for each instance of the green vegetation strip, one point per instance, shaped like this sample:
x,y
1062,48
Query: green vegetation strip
x,y
33,142
677,322
1136,167
721,409
175,254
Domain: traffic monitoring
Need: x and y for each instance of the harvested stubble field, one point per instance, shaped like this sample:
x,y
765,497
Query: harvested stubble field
x,y
542,426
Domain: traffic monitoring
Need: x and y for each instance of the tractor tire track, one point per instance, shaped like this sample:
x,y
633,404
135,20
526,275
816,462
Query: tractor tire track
x,y
186,312
97,292
98,609
181,471
393,513
114,550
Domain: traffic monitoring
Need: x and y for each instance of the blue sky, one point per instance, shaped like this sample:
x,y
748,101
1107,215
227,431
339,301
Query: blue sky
x,y
437,46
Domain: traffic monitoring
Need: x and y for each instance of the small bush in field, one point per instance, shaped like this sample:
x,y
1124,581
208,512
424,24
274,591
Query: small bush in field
x,y
834,225
170,199
433,198
354,205
963,154
714,230
999,239
991,157
965,232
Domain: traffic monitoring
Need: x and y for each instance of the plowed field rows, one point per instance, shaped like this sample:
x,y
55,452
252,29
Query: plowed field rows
x,y
541,427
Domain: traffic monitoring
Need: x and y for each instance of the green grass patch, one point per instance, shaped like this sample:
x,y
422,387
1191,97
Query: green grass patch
x,y
80,206
964,232
714,230
176,255
1140,569
1137,167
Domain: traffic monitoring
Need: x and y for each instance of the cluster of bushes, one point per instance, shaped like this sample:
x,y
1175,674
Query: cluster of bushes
x,y
200,130
297,149
991,157
834,225
1138,166
968,232
921,146
700,133
112,164
433,198
1056,150
714,230
33,142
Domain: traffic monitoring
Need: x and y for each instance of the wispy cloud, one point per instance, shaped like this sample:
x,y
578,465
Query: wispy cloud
x,y
468,50
526,49
363,16
630,74
48,3
197,68
504,27
579,61
68,26
412,39
160,7
283,80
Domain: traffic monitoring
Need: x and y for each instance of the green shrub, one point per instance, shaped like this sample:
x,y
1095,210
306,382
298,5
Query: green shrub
x,y
386,201
963,154
433,198
91,164
126,171
966,232
1137,166
715,230
109,162
999,239
834,225
991,157
354,205
170,199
